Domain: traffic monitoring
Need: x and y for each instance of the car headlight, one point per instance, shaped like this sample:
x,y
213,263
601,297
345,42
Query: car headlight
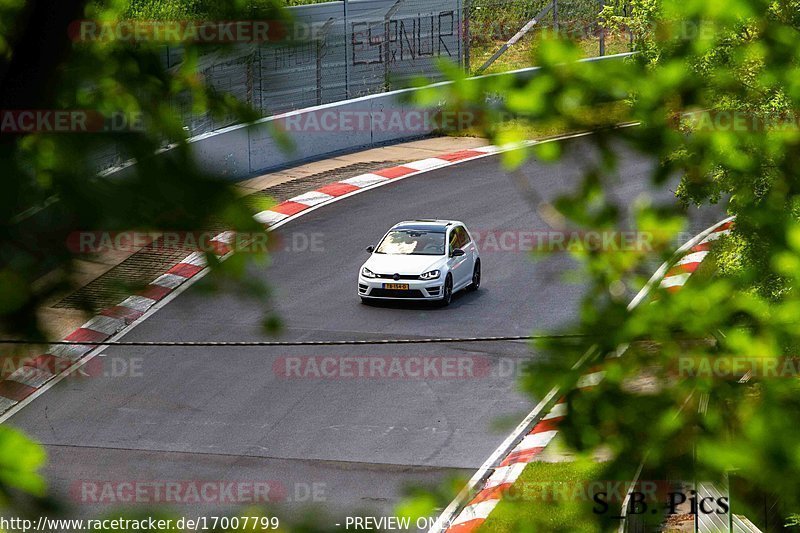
x,y
367,273
433,274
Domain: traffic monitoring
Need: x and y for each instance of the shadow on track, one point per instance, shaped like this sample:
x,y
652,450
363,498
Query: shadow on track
x,y
462,297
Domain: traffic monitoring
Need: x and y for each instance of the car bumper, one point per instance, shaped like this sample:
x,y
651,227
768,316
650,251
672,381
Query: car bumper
x,y
417,289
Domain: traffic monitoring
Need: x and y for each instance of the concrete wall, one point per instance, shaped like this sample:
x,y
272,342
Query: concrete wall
x,y
240,152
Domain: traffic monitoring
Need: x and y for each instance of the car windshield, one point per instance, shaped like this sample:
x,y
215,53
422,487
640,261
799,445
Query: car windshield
x,y
412,242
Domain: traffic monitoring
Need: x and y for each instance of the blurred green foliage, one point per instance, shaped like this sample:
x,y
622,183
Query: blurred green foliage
x,y
50,180
695,57
196,9
698,63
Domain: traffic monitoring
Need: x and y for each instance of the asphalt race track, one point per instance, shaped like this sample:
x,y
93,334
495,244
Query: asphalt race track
x,y
185,414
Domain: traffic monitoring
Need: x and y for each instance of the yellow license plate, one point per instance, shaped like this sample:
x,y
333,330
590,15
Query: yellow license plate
x,y
396,286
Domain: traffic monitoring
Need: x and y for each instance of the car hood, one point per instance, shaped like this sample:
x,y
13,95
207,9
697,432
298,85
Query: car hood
x,y
403,264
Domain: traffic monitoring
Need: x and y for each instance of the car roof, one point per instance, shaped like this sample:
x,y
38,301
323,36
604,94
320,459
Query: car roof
x,y
424,224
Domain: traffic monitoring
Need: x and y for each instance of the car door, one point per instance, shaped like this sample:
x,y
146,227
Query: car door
x,y
471,252
459,266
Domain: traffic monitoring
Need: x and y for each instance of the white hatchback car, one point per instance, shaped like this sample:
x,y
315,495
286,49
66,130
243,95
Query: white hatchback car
x,y
421,260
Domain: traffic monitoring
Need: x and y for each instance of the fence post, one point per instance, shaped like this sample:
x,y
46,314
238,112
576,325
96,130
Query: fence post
x,y
260,78
602,32
319,71
465,33
322,43
387,22
555,17
628,13
250,78
347,44
386,52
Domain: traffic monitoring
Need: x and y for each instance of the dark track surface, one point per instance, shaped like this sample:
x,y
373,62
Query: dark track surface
x,y
224,413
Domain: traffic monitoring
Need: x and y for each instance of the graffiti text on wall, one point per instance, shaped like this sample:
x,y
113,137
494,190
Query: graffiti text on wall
x,y
402,39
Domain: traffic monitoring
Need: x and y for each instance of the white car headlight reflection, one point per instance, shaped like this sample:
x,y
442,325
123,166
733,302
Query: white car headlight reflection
x,y
433,274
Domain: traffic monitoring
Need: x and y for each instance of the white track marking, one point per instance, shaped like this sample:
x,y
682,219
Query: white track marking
x,y
269,217
312,198
365,180
83,353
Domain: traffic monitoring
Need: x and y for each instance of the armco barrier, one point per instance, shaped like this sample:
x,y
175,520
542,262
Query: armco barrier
x,y
242,151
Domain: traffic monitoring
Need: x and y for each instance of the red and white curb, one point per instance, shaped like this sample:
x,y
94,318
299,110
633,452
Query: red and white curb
x,y
59,359
40,372
671,276
331,192
677,276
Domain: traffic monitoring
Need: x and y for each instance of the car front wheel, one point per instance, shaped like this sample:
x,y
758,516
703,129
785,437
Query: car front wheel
x,y
447,295
476,276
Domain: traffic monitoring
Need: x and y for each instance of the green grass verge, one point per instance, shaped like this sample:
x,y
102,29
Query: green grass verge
x,y
522,54
589,119
546,498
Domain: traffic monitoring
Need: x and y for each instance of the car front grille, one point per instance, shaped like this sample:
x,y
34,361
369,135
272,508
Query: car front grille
x,y
399,277
394,293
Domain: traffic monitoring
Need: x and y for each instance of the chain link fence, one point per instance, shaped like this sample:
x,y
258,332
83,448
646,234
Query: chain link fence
x,y
492,23
361,47
365,47
369,47
344,50
491,20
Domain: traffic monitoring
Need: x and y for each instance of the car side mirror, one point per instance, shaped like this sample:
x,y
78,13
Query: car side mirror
x,y
458,252
370,249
